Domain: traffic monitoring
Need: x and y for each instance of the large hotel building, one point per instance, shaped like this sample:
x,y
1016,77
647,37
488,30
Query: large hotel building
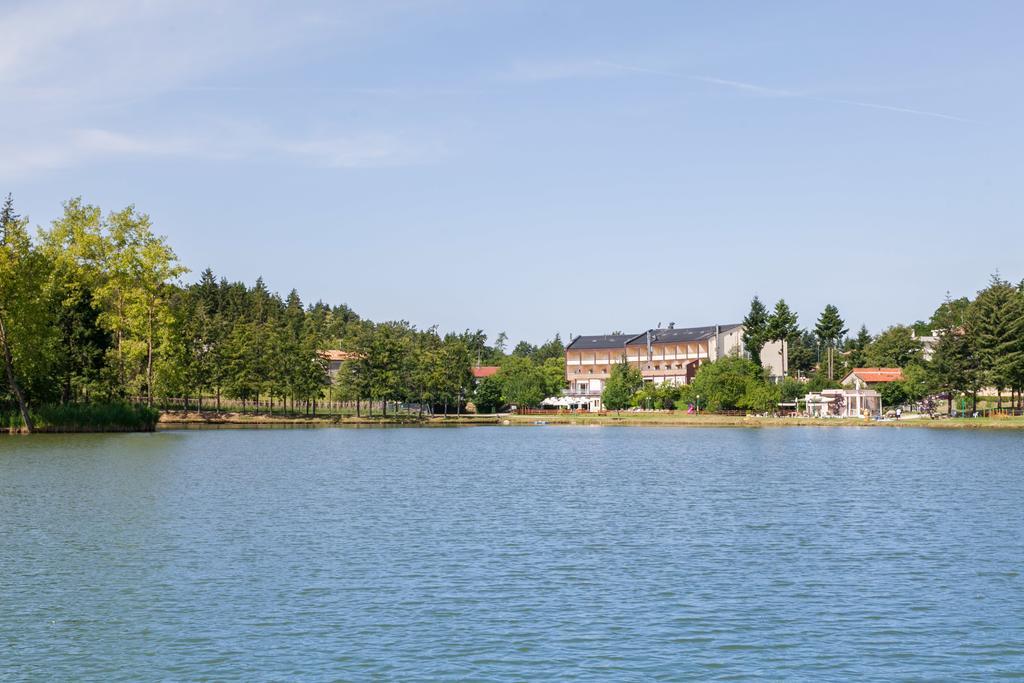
x,y
665,355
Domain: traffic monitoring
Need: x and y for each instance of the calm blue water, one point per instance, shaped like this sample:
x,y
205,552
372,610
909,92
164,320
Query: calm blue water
x,y
513,554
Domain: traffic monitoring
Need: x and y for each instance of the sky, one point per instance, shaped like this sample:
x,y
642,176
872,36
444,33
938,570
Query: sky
x,y
577,167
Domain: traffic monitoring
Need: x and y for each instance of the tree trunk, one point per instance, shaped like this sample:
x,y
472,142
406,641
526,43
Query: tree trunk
x,y
357,408
149,361
12,382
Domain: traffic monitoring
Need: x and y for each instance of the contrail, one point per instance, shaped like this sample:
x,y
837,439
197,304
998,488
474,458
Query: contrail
x,y
777,92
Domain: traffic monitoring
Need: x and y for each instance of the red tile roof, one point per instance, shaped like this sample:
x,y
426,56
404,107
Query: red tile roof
x,y
337,354
481,371
872,375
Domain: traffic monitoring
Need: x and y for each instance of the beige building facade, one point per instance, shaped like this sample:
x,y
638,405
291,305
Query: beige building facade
x,y
662,355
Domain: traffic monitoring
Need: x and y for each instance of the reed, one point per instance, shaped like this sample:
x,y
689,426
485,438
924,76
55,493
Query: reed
x,y
86,417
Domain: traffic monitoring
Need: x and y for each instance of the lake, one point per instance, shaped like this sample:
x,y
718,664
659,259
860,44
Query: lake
x,y
513,553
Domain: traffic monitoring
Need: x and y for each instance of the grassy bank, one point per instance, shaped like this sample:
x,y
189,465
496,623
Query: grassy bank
x,y
178,418
684,420
85,417
172,419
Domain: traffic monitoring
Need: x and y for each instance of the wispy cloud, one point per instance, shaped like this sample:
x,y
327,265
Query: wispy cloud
x,y
89,76
239,142
886,107
599,68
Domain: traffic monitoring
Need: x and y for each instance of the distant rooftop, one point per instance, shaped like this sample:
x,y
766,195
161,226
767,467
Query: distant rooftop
x,y
481,371
679,334
600,341
337,355
873,375
667,334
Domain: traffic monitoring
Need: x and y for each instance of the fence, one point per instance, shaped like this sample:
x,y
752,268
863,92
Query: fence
x,y
278,407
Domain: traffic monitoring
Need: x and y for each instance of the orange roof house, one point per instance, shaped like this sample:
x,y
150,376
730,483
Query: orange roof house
x,y
863,377
481,371
334,358
337,355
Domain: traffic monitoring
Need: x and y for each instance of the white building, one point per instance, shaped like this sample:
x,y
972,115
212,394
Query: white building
x,y
844,403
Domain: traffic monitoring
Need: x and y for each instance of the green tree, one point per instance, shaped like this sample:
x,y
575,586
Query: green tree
x,y
759,396
723,384
454,362
896,347
782,327
524,349
755,329
523,382
830,330
623,382
24,331
955,367
487,395
998,328
802,352
856,349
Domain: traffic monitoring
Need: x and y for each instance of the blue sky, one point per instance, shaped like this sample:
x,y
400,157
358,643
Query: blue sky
x,y
539,167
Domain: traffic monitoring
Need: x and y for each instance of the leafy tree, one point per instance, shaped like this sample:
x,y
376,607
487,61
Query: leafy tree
x,y
456,379
23,330
623,382
662,396
759,396
487,396
755,329
896,347
723,384
821,381
389,355
550,349
524,349
790,389
524,383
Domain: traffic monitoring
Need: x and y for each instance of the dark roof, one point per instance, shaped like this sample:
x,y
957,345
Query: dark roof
x,y
679,334
600,341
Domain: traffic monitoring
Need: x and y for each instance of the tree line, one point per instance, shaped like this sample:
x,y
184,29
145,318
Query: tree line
x,y
92,311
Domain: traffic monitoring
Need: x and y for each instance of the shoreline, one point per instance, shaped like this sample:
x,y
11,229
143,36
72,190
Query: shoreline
x,y
195,420
171,420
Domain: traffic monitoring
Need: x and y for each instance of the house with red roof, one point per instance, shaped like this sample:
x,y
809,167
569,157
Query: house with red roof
x,y
481,371
334,358
862,378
